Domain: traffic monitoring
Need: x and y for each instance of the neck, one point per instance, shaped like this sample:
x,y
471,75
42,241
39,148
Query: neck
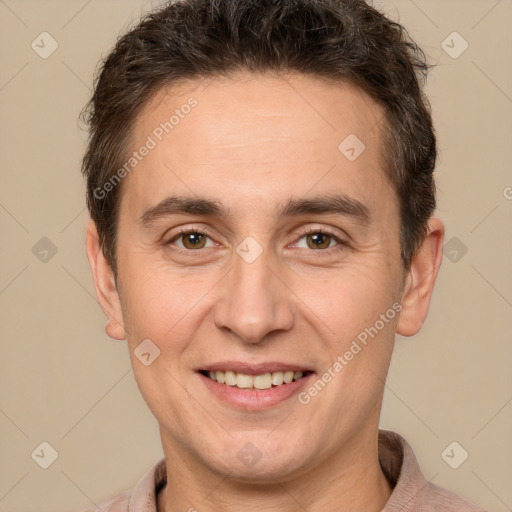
x,y
350,479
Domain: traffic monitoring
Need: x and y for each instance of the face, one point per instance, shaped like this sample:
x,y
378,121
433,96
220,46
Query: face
x,y
251,242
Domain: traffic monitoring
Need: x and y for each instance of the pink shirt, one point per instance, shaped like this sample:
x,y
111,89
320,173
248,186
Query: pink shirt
x,y
411,491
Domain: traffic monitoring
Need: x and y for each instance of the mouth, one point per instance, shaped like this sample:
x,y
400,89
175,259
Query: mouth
x,y
262,381
252,386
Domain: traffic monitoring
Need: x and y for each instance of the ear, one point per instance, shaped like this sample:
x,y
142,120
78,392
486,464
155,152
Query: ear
x,y
104,283
420,280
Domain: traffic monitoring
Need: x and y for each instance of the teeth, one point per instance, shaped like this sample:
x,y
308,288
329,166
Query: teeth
x,y
243,381
277,378
229,378
263,381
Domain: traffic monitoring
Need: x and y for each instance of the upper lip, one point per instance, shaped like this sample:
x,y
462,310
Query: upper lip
x,y
254,368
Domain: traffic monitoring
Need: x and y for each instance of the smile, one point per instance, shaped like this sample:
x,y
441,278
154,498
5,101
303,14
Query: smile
x,y
254,386
262,381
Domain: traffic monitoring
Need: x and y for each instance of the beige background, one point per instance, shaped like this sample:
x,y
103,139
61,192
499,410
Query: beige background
x,y
64,382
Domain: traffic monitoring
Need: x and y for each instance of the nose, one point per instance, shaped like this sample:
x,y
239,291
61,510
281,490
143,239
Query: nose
x,y
254,301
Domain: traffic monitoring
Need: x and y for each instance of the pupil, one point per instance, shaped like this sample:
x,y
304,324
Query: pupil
x,y
319,239
193,238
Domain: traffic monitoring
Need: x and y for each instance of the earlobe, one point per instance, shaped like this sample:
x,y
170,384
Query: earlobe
x,y
420,280
104,284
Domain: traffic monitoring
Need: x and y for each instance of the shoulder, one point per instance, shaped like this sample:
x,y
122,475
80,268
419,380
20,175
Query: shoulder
x,y
411,490
142,497
437,498
118,503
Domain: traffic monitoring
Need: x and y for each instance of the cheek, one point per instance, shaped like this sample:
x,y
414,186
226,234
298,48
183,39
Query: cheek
x,y
351,299
345,313
155,303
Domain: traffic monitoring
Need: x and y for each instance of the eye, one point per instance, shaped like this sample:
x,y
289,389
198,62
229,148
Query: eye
x,y
192,239
316,239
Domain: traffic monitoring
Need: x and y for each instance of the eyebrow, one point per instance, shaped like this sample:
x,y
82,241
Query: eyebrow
x,y
340,204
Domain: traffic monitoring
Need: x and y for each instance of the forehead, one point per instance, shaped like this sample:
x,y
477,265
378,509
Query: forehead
x,y
249,109
254,135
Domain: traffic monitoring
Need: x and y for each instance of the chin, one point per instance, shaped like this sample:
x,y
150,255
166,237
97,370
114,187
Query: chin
x,y
250,464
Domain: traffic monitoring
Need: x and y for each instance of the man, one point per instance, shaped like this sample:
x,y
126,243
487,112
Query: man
x,y
260,184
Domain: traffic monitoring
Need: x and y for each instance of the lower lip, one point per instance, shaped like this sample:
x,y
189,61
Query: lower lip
x,y
254,399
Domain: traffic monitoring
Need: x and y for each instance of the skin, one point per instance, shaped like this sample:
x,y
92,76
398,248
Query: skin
x,y
252,143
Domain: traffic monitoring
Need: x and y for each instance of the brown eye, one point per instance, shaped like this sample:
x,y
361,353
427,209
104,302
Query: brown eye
x,y
193,240
190,240
318,240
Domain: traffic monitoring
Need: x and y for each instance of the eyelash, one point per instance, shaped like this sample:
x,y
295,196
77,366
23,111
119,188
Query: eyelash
x,y
184,231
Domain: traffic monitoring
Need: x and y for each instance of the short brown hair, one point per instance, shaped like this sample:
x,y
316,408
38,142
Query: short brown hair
x,y
340,40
